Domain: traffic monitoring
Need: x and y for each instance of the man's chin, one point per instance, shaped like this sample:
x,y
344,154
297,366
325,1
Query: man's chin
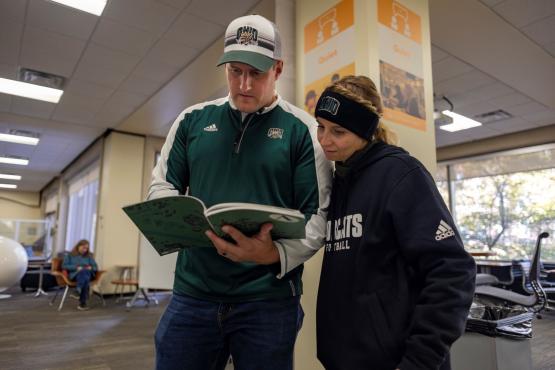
x,y
245,107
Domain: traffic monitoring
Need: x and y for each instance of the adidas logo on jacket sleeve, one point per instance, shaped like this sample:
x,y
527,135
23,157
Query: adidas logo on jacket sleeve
x,y
444,231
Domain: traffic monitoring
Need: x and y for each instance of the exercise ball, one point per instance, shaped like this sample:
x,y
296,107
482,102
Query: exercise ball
x,y
13,262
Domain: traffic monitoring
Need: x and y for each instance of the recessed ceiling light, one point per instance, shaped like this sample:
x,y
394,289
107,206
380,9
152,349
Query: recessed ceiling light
x,y
460,122
95,7
19,139
6,176
31,91
14,160
8,186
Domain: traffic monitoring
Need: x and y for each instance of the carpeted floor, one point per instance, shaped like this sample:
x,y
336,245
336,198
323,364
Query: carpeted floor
x,y
34,336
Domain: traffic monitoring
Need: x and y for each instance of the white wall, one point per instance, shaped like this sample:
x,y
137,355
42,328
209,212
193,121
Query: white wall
x,y
121,184
20,205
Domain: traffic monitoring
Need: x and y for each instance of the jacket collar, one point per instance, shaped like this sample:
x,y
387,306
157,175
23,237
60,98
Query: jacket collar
x,y
264,110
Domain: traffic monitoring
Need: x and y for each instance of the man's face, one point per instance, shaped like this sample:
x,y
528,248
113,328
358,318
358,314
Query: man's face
x,y
251,89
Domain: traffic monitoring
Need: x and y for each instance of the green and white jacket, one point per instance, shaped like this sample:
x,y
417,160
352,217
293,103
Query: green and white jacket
x,y
218,154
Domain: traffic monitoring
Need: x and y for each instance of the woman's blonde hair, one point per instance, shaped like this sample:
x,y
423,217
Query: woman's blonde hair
x,y
75,250
362,90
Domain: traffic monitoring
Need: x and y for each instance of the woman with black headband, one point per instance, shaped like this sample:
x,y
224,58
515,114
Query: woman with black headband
x,y
396,283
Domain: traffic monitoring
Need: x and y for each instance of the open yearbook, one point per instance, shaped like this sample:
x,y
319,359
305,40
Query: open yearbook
x,y
173,223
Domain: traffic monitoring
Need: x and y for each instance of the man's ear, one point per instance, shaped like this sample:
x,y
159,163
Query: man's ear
x,y
278,68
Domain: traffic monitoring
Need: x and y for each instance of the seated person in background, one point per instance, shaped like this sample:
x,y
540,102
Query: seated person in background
x,y
82,268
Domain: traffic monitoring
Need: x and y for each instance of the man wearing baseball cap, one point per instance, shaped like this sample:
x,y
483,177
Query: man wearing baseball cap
x,y
242,298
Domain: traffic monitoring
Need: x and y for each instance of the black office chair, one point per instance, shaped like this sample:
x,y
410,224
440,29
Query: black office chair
x,y
537,300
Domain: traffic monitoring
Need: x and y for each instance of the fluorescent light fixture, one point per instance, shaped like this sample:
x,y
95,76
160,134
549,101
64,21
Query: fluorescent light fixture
x,y
8,186
19,139
95,7
14,160
31,91
460,122
6,176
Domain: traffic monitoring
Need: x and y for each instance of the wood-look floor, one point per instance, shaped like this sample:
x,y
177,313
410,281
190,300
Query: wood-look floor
x,y
34,336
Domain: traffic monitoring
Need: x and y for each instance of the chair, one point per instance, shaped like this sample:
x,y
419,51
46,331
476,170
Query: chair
x,y
538,298
63,282
486,279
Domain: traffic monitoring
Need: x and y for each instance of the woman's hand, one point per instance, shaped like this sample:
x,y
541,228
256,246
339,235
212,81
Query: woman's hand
x,y
258,249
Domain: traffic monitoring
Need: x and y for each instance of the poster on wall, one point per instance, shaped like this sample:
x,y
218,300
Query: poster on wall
x,y
329,50
401,64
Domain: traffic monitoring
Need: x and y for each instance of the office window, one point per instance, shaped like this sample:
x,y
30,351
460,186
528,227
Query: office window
x,y
81,219
501,202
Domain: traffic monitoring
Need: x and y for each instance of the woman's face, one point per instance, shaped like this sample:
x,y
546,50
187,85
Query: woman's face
x,y
338,143
83,248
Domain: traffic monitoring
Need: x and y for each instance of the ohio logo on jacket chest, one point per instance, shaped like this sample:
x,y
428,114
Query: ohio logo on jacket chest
x,y
341,230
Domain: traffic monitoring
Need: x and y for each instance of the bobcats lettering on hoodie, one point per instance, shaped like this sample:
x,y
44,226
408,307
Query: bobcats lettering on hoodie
x,y
339,231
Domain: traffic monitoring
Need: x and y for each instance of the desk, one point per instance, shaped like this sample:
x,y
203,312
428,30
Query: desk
x,y
40,263
501,269
481,253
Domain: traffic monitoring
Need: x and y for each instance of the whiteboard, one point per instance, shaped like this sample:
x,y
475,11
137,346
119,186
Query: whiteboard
x,y
155,271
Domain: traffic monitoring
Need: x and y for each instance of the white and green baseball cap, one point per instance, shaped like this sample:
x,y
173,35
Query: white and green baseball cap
x,y
252,40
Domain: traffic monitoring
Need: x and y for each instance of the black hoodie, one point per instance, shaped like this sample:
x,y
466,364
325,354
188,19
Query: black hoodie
x,y
396,282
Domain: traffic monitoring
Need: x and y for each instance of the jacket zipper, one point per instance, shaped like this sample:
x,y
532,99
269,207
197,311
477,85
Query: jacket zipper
x,y
244,128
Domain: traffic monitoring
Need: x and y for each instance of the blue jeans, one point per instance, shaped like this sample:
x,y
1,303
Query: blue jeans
x,y
200,335
83,279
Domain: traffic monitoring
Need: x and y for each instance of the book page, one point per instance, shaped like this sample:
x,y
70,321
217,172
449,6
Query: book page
x,y
171,223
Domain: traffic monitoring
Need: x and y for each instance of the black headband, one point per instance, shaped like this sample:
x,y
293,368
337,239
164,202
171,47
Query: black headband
x,y
347,113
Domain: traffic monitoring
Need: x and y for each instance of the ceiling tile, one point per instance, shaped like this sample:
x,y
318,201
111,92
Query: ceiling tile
x,y
126,99
77,109
221,12
525,109
509,100
156,70
148,15
543,31
438,54
542,117
105,67
550,48
97,55
50,52
203,35
10,36
481,132
449,67
111,115
472,110
123,38
8,71
140,84
521,13
12,10
491,2
32,108
444,138
109,78
178,4
5,102
489,91
510,125
463,83
19,150
61,19
174,54
87,89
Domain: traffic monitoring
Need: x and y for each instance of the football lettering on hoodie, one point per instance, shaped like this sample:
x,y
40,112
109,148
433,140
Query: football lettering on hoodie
x,y
343,228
